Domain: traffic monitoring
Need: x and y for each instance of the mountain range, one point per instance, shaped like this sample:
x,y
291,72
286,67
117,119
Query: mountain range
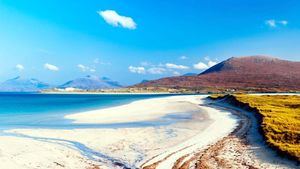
x,y
91,83
20,84
251,73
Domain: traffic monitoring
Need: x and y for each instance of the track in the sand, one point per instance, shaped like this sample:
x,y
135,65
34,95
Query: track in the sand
x,y
201,158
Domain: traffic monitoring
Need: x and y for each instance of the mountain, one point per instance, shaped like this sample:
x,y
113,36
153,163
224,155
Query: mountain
x,y
91,83
144,81
252,73
190,74
19,84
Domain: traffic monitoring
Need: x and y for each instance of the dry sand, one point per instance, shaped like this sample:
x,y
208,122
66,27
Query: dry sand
x,y
115,147
136,147
143,110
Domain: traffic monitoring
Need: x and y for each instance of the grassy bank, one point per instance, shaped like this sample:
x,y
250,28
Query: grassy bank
x,y
279,117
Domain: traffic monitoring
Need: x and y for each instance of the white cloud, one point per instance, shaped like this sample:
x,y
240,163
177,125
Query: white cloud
x,y
51,67
113,18
139,69
211,63
174,66
203,65
271,23
200,66
81,67
284,22
20,67
183,57
176,73
84,68
160,68
275,23
156,70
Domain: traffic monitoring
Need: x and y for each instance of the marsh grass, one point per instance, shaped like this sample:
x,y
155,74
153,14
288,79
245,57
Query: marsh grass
x,y
280,121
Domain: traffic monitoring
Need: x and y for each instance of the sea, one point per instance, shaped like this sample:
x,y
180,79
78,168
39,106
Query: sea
x,y
38,110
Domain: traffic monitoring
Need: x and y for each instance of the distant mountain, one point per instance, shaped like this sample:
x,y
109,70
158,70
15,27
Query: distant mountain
x,y
252,73
190,74
144,81
19,84
91,83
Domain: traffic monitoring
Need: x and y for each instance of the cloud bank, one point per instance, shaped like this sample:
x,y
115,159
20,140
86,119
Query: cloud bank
x,y
170,68
147,67
139,69
174,66
156,70
202,65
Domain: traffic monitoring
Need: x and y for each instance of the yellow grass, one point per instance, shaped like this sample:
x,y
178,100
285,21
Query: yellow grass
x,y
216,96
280,122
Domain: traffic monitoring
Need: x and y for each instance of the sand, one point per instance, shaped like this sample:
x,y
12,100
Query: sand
x,y
143,110
162,147
26,153
118,147
222,125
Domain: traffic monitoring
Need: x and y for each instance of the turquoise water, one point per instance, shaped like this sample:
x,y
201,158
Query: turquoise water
x,y
34,110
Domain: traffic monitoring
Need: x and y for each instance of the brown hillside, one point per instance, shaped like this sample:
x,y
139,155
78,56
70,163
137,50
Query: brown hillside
x,y
255,73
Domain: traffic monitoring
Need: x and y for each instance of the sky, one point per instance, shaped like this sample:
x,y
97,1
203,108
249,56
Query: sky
x,y
134,40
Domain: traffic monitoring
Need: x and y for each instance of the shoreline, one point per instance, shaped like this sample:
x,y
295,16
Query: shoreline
x,y
212,130
109,148
138,111
115,93
250,148
224,123
243,148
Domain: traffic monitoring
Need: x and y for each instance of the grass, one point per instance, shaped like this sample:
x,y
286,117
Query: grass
x,y
280,120
216,96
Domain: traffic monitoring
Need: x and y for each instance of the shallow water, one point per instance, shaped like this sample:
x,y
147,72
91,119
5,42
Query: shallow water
x,y
35,110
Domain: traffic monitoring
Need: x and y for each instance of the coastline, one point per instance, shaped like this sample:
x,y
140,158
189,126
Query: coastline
x,y
243,148
111,93
113,147
210,129
223,124
138,111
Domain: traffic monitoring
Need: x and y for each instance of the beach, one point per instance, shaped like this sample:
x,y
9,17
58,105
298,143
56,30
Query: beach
x,y
119,147
191,129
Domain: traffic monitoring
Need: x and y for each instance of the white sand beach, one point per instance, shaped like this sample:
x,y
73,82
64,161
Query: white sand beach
x,y
144,110
133,147
113,147
161,147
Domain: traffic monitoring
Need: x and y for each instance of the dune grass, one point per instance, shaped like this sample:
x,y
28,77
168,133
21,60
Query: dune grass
x,y
280,120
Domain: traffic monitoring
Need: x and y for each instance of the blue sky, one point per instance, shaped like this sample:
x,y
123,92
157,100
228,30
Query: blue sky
x,y
132,40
